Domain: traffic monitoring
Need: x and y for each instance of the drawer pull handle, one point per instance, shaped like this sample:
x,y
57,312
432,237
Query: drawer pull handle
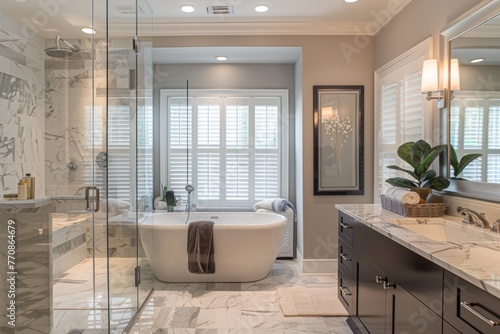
x,y
468,307
380,279
345,258
343,290
388,285
345,226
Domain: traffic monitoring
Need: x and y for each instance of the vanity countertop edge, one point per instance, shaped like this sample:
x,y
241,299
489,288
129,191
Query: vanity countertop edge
x,y
458,258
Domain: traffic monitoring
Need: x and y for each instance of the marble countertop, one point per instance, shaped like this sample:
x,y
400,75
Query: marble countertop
x,y
37,202
476,262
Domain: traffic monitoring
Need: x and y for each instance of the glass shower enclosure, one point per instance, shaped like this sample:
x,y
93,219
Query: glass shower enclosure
x,y
76,113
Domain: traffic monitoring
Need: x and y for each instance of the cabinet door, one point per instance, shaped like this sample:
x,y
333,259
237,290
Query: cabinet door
x,y
370,297
448,329
406,314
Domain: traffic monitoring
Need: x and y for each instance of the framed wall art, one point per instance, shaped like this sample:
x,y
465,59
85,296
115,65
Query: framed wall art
x,y
338,140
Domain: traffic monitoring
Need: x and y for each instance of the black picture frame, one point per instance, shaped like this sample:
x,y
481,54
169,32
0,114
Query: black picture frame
x,y
338,113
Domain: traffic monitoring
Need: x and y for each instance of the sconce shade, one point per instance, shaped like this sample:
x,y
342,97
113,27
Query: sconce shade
x,y
429,76
454,75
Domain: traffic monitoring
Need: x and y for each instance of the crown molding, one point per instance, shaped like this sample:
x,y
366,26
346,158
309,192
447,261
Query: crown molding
x,y
247,28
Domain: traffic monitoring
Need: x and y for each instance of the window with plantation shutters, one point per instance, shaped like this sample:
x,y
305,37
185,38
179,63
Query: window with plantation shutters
x,y
400,111
231,145
129,159
474,124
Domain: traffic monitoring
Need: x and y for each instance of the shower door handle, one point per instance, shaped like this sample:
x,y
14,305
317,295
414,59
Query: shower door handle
x,y
95,207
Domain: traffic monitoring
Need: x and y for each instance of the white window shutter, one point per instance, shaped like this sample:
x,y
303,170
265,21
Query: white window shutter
x,y
236,160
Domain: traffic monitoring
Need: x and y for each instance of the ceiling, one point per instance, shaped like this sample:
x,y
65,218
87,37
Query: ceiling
x,y
290,17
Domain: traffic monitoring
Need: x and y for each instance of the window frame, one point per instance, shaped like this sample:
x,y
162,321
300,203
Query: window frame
x,y
420,52
282,94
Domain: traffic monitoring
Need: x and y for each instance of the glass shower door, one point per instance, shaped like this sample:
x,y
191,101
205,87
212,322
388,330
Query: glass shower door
x,y
129,146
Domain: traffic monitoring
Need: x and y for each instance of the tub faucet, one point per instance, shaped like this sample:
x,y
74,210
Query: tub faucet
x,y
473,217
189,188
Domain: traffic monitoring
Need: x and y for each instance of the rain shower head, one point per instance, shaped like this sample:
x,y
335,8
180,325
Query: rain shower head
x,y
62,51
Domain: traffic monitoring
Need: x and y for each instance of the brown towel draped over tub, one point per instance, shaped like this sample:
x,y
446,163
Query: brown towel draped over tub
x,y
200,247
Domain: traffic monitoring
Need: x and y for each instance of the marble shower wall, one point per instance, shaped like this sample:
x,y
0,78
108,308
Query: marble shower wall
x,y
68,122
75,114
22,90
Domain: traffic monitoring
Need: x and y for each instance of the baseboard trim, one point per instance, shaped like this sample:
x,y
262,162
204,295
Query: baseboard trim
x,y
316,266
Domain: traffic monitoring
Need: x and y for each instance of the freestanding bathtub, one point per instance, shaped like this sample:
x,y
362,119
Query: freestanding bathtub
x,y
245,245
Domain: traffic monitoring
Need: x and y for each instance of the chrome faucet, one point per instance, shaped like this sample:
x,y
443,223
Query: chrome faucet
x,y
473,217
189,188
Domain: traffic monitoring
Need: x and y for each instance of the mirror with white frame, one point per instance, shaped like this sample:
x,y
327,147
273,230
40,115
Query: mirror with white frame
x,y
473,125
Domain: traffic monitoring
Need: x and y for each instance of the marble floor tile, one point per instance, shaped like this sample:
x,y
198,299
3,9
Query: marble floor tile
x,y
218,331
219,318
184,317
235,308
261,319
260,301
221,299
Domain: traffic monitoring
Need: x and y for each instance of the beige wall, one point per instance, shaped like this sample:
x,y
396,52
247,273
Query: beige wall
x,y
322,63
416,22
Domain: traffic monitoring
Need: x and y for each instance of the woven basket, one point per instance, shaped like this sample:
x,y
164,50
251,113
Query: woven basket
x,y
412,210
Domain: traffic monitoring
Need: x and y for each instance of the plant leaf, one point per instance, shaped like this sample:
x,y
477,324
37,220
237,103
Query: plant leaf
x,y
465,161
438,183
454,161
428,175
418,151
401,182
404,152
403,170
429,158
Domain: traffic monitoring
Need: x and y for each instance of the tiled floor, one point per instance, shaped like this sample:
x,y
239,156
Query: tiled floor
x,y
234,308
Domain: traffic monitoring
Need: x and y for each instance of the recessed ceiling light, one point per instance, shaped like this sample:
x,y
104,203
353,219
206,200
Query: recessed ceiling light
x,y
221,58
351,1
88,30
478,60
187,9
261,8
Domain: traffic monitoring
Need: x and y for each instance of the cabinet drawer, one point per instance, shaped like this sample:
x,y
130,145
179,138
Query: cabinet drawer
x,y
469,308
346,230
346,292
346,258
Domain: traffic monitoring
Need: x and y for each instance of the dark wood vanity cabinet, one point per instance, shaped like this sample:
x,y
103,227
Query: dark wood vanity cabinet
x,y
388,288
393,289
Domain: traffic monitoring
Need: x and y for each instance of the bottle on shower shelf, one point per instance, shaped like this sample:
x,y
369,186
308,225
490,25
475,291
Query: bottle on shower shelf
x,y
22,190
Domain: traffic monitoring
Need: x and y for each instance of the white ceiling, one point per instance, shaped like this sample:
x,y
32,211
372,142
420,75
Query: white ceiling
x,y
321,17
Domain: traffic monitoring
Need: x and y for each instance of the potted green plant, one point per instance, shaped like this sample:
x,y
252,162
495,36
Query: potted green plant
x,y
459,166
169,198
419,155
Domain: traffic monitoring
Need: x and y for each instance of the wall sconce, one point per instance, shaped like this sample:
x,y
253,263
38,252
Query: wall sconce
x,y
454,76
430,81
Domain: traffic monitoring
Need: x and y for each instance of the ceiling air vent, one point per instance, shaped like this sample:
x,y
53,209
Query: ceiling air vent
x,y
127,9
220,10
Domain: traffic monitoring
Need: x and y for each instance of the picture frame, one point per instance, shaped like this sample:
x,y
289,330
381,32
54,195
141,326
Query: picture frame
x,y
338,113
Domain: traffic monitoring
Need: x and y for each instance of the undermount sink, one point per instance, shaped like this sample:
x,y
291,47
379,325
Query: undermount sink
x,y
441,229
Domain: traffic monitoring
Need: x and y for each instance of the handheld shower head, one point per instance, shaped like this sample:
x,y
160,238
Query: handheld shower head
x,y
189,188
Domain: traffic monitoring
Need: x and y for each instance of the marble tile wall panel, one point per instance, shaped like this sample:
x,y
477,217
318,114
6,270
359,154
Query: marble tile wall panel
x,y
34,270
22,90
